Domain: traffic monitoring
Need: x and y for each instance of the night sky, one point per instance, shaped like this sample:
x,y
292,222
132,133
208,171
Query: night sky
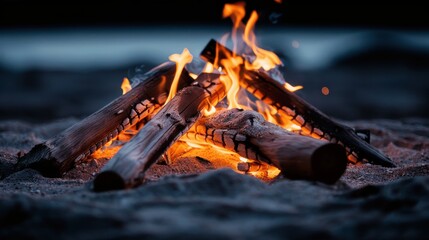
x,y
295,13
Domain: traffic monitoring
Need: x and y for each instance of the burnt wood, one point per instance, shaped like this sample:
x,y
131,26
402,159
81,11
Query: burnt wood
x,y
128,165
312,121
247,133
58,154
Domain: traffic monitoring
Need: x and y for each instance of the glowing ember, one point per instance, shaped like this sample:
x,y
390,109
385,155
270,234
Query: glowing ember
x,y
325,91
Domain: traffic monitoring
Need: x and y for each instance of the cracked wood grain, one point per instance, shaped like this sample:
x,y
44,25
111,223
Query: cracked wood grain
x,y
125,169
247,133
57,155
312,121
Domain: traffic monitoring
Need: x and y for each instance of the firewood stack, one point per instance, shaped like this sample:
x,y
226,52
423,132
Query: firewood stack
x,y
320,151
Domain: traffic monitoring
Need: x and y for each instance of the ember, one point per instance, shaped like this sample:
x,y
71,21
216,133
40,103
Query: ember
x,y
238,103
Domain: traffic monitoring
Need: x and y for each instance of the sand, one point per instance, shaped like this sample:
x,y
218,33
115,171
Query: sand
x,y
377,81
190,201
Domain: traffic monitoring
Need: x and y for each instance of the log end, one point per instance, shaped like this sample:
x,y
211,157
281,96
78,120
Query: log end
x,y
108,181
329,162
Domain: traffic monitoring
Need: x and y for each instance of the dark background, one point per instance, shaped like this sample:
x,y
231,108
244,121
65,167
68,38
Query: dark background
x,y
299,13
72,55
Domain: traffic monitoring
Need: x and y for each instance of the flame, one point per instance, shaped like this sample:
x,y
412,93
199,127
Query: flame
x,y
208,68
244,42
125,86
181,60
235,11
201,144
231,80
209,112
292,88
264,59
244,39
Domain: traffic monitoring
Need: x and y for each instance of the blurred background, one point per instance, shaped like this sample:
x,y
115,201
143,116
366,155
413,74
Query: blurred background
x,y
68,58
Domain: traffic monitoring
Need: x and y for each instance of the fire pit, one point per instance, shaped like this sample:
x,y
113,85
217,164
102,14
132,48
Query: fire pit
x,y
169,101
216,146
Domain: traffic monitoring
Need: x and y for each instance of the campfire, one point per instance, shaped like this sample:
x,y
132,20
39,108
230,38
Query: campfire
x,y
237,102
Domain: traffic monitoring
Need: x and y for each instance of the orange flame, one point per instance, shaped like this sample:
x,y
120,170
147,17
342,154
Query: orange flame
x,y
244,42
242,36
264,59
231,80
181,60
292,88
208,68
125,86
236,12
209,111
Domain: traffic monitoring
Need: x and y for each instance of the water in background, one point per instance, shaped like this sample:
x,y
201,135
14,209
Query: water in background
x,y
57,73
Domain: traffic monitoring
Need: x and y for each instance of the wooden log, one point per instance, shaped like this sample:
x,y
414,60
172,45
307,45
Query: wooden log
x,y
312,121
125,169
58,154
247,133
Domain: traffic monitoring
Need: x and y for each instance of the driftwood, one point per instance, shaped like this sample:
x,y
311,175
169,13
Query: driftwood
x,y
124,170
247,133
312,121
57,155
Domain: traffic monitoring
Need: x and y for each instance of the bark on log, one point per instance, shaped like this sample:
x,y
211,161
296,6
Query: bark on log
x,y
312,121
125,168
58,154
247,133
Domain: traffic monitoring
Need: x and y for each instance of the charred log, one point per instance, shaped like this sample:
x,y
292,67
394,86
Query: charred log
x,y
312,121
125,169
57,155
247,133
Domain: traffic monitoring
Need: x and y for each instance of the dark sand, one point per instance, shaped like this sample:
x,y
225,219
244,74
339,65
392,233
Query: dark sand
x,y
188,201
384,91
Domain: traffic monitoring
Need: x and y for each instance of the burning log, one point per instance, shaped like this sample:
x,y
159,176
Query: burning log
x,y
168,125
57,155
312,121
247,133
